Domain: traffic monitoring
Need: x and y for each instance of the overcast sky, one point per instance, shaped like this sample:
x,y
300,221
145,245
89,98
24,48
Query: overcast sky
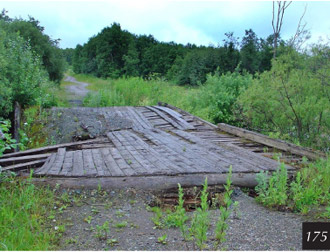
x,y
198,22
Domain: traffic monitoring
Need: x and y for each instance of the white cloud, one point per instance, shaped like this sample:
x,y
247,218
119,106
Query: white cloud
x,y
199,22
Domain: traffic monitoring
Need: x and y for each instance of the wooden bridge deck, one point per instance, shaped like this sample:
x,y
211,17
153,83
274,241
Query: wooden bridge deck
x,y
147,142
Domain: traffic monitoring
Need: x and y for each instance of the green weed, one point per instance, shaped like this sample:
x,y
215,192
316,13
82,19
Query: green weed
x,y
88,219
162,239
200,221
272,191
178,217
157,219
102,231
221,225
310,187
121,224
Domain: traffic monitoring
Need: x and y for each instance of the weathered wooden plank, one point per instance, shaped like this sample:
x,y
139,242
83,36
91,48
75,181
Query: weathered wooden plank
x,y
43,169
139,156
166,118
67,164
182,154
55,169
239,164
161,163
100,166
54,147
278,144
140,118
211,125
89,167
23,166
78,164
24,159
126,169
110,163
177,117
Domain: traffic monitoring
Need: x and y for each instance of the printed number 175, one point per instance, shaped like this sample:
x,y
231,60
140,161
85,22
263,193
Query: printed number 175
x,y
322,236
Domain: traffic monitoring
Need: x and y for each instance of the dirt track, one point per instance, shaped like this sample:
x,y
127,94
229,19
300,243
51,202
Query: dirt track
x,y
76,92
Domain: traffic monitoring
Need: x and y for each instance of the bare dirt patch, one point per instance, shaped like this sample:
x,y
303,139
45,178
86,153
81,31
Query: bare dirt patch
x,y
128,216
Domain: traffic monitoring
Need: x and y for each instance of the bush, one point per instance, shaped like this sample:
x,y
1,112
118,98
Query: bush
x,y
310,187
293,98
219,94
22,77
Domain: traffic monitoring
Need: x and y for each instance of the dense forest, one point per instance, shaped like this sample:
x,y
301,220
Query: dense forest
x,y
115,52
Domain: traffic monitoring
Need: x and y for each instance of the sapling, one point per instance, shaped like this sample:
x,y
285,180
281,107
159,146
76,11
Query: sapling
x,y
200,222
221,225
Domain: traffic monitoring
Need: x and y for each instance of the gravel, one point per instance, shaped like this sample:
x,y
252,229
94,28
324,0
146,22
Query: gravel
x,y
257,228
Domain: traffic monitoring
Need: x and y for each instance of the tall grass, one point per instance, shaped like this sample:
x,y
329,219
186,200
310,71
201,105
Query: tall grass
x,y
23,211
139,92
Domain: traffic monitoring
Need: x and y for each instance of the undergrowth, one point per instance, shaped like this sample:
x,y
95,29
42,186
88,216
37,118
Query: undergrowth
x,y
196,228
23,215
310,188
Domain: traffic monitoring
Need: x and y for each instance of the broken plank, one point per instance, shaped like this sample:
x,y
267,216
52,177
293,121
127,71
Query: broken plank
x,y
53,148
46,166
166,118
177,117
23,166
56,167
15,160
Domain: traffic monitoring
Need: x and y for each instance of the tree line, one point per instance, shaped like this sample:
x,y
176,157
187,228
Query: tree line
x,y
115,52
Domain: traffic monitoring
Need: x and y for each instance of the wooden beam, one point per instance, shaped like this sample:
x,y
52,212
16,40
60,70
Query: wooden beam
x,y
185,112
23,166
14,160
53,148
276,143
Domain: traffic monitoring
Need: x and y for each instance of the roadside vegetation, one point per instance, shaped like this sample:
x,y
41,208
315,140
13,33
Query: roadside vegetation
x,y
196,227
308,191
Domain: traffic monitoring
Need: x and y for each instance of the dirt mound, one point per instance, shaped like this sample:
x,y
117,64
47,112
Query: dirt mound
x,y
73,124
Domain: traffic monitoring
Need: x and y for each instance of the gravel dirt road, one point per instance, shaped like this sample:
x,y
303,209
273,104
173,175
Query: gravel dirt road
x,y
76,92
131,227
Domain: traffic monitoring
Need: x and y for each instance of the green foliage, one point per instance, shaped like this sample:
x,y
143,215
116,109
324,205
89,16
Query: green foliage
x,y
221,225
200,221
23,214
116,53
157,219
292,98
219,94
102,231
22,77
162,239
6,141
178,218
310,187
121,224
272,191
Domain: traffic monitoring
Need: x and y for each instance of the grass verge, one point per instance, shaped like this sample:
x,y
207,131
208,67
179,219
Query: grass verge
x,y
23,215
